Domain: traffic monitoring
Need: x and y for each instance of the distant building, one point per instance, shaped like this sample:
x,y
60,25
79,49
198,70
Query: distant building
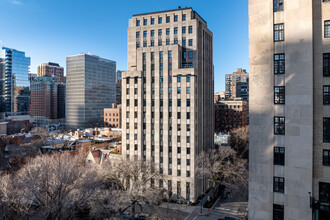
x,y
231,81
90,87
118,86
242,90
230,114
112,116
15,84
60,100
52,70
32,76
219,96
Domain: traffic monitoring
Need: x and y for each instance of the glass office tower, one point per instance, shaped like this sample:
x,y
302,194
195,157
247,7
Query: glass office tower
x,y
15,82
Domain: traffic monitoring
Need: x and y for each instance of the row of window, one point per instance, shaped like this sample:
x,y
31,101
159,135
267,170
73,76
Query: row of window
x,y
161,90
160,20
168,31
178,139
168,42
188,77
188,103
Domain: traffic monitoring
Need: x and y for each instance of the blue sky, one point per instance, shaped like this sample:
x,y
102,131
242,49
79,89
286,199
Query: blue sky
x,y
50,30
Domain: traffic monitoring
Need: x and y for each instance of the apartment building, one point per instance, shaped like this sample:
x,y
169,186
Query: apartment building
x,y
112,116
167,96
232,80
52,70
289,109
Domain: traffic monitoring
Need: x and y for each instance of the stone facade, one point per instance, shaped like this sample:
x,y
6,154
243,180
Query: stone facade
x,y
112,116
167,96
290,33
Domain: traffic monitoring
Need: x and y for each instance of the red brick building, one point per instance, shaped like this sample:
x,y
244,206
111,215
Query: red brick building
x,y
51,70
112,116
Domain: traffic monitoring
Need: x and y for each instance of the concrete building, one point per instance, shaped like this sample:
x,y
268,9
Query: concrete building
x,y
52,70
90,87
44,98
15,82
231,81
167,96
118,86
219,96
289,109
112,116
230,115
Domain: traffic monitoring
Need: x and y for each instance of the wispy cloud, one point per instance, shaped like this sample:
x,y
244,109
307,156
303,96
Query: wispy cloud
x,y
16,2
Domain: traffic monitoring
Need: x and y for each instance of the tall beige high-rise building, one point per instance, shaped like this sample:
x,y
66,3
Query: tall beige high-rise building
x,y
240,76
289,109
167,96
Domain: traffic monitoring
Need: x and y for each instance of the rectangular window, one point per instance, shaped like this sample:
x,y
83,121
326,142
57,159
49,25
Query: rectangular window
x,y
190,42
279,125
152,33
179,102
175,18
160,42
179,78
168,19
278,5
184,43
326,130
279,63
188,78
179,140
326,157
188,150
138,34
184,55
326,64
137,44
167,31
179,90
160,20
175,30
326,95
188,90
279,156
327,29
152,21
160,32
145,22
190,55
127,91
145,34
188,115
137,23
279,95
188,160
175,41
183,17
279,184
190,30
183,30
278,32
168,42
324,192
278,212
188,102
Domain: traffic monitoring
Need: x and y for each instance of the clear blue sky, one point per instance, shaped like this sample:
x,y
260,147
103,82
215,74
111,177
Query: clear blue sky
x,y
50,30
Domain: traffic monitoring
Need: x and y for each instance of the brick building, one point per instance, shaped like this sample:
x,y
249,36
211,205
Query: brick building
x,y
231,81
112,116
51,70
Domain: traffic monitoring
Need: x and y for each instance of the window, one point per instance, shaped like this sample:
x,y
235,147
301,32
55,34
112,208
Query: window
x,y
326,157
137,23
160,20
161,54
188,78
175,41
190,42
184,55
326,95
137,44
127,102
179,115
183,17
184,43
188,175
138,34
168,19
135,136
279,125
179,78
144,33
175,18
160,42
190,54
127,91
279,32
170,53
160,32
188,102
278,5
127,136
179,174
152,21
190,30
167,31
152,33
145,22
127,146
179,90
168,42
327,29
179,102
170,90
326,130
279,63
135,102
183,30
160,79
279,184
179,161
188,150
278,212
188,116
135,80
279,95
279,153
188,160
326,64
144,43
324,192
188,90
175,30
179,140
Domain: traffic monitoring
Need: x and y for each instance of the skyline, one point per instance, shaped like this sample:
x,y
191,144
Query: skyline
x,y
51,31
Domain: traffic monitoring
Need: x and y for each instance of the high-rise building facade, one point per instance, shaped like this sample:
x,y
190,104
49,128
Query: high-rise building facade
x,y
44,98
15,82
118,86
90,87
167,96
2,88
52,70
231,81
60,100
289,168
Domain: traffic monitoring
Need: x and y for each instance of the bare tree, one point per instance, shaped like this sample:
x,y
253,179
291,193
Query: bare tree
x,y
239,141
132,183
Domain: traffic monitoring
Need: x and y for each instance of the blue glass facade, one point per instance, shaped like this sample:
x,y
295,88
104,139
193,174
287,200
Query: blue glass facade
x,y
15,93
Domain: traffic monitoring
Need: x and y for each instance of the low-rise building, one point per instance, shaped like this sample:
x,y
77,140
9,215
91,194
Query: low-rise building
x,y
219,96
112,116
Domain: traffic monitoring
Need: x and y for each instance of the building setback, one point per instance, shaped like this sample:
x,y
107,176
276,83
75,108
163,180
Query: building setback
x,y
15,83
90,87
167,96
289,164
231,81
112,116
